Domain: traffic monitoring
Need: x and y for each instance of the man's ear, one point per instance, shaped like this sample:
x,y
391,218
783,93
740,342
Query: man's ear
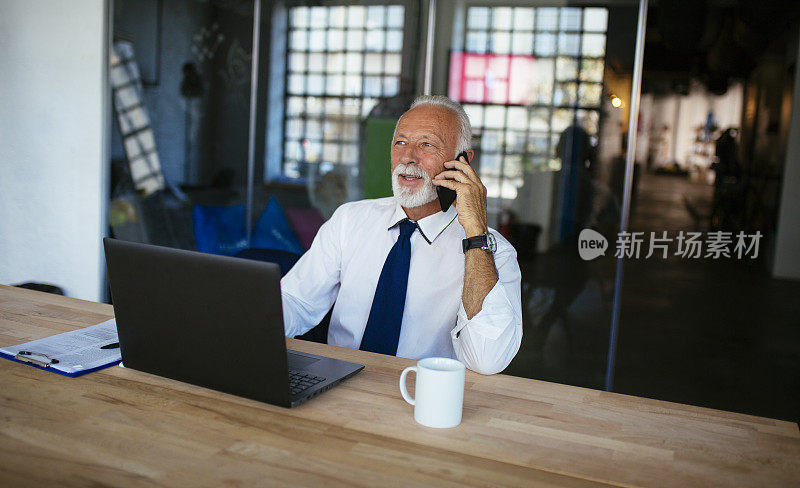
x,y
470,155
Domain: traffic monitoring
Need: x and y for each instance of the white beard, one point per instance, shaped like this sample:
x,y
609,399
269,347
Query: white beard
x,y
407,197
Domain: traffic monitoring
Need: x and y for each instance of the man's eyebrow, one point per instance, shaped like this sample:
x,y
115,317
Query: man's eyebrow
x,y
433,136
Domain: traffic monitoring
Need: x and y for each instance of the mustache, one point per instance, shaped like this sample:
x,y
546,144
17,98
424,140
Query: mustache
x,y
411,170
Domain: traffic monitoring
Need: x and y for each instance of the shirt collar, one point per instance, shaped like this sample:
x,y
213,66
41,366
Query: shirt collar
x,y
429,227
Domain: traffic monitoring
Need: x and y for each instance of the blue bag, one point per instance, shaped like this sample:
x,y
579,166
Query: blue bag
x,y
219,229
273,231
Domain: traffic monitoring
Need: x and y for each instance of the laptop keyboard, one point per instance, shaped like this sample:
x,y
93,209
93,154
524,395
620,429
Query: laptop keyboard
x,y
299,381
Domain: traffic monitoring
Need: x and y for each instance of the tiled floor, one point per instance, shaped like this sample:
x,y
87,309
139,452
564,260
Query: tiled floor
x,y
715,333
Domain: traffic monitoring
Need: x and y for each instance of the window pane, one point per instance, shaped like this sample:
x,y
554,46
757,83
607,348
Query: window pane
x,y
375,40
478,18
494,116
337,16
395,16
350,153
594,45
316,41
391,86
313,106
592,70
539,119
352,85
595,19
545,44
373,63
295,84
335,62
522,43
355,16
372,86
589,94
547,18
297,62
294,128
518,118
501,18
523,19
475,113
355,40
566,68
394,40
316,62
313,129
354,62
319,17
569,44
299,40
501,43
294,106
477,42
565,94
299,17
315,84
376,17
570,19
335,85
393,63
335,40
490,162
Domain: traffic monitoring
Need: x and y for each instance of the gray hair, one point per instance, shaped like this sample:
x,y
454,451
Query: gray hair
x,y
464,138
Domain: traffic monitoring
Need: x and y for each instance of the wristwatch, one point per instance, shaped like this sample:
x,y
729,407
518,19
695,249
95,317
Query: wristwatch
x,y
485,241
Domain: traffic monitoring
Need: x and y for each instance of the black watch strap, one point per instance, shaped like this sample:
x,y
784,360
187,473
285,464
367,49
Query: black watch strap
x,y
484,241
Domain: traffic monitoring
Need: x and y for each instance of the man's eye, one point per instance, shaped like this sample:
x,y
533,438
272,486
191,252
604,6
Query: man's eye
x,y
399,143
427,144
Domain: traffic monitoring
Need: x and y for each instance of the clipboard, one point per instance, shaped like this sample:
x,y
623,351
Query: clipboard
x,y
71,354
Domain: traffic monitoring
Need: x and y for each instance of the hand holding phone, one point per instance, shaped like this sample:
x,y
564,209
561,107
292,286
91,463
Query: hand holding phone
x,y
446,195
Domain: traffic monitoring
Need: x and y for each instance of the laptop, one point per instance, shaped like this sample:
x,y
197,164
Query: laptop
x,y
212,321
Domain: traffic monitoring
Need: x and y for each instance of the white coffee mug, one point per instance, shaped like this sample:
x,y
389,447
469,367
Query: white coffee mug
x,y
439,391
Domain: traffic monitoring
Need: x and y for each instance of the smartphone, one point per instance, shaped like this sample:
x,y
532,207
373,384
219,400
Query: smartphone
x,y
446,195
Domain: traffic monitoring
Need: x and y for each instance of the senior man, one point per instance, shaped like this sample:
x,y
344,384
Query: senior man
x,y
407,278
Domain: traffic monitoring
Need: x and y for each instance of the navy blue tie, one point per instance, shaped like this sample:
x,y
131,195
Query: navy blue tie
x,y
386,316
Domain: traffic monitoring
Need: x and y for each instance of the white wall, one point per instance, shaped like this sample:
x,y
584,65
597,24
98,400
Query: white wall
x,y
53,193
787,241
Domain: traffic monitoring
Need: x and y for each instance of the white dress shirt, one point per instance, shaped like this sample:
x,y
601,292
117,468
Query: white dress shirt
x,y
345,262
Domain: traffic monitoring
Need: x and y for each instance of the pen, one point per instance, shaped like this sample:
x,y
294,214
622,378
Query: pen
x,y
113,345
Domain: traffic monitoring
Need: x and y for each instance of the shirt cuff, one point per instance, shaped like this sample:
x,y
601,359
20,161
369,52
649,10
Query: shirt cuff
x,y
492,319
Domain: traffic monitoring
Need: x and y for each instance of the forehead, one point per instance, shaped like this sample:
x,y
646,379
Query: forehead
x,y
428,119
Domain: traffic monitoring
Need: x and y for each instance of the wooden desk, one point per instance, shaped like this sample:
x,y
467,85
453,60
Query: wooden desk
x,y
120,427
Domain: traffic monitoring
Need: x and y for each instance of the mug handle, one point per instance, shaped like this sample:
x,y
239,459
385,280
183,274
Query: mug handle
x,y
403,391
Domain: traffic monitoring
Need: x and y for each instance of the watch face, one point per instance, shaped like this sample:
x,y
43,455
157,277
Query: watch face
x,y
491,242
